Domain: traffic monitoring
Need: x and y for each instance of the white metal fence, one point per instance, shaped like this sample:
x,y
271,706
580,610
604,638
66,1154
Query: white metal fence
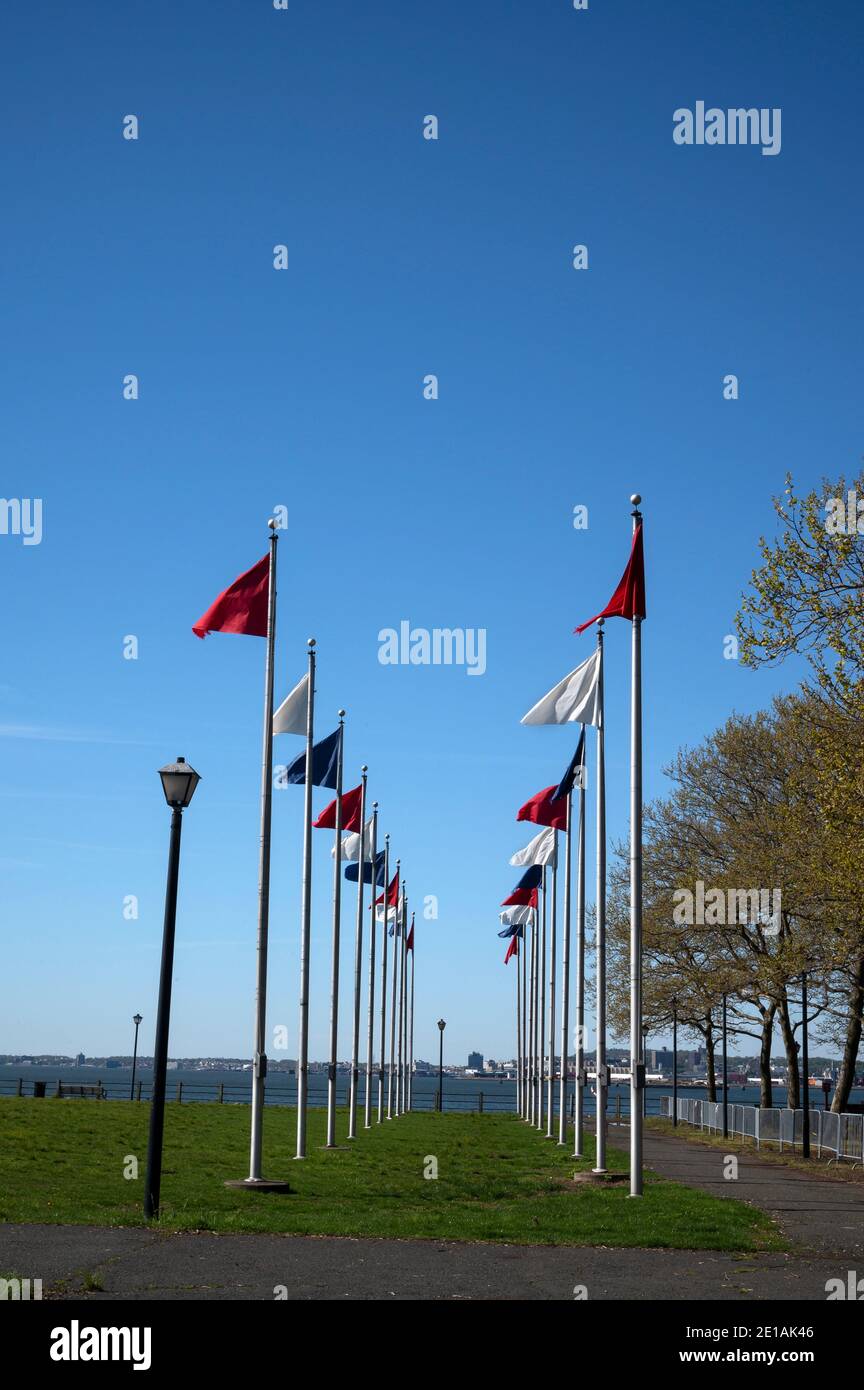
x,y
841,1135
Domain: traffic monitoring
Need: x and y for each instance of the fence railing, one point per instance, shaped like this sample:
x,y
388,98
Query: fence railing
x,y
239,1093
842,1135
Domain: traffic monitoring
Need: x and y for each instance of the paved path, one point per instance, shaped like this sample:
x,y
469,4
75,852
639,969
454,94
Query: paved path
x,y
133,1264
822,1216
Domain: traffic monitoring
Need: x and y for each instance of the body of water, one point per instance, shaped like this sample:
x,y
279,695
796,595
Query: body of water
x,y
460,1093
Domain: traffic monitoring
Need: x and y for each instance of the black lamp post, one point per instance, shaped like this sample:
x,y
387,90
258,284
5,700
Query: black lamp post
x,y
179,781
137,1021
725,1076
441,1026
674,1061
805,1062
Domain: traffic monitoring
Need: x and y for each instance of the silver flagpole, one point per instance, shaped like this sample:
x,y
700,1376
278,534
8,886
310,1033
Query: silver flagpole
x,y
542,997
550,1094
405,1011
259,1062
565,977
524,1023
306,919
532,1016
383,981
370,1025
600,976
334,968
358,966
637,1067
518,1028
579,1101
393,994
535,1045
411,1024
400,1058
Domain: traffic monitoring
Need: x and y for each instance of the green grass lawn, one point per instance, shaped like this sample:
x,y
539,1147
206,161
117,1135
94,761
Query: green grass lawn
x,y
498,1180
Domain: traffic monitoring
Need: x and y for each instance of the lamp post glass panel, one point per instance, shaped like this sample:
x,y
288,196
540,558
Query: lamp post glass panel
x,y
441,1026
136,1019
179,781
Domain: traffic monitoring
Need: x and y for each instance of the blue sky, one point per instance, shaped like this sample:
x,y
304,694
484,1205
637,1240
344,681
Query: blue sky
x,y
304,388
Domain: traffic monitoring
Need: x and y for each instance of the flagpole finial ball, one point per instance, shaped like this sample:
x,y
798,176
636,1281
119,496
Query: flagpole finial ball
x,y
374,805
364,768
272,523
635,499
341,714
310,642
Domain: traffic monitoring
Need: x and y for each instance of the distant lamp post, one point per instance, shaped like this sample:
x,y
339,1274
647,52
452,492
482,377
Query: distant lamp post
x,y
136,1019
725,1076
179,781
675,1061
645,1065
441,1026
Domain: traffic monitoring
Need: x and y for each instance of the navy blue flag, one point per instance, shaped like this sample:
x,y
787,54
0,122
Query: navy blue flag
x,y
511,931
532,878
565,786
325,758
352,870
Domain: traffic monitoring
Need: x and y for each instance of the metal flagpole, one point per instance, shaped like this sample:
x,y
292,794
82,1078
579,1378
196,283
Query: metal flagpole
x,y
400,1058
405,1010
518,1027
637,1066
600,978
411,1024
334,968
306,919
542,997
553,912
565,976
524,1023
393,993
532,1017
370,1027
259,1062
358,966
535,1045
579,1099
383,981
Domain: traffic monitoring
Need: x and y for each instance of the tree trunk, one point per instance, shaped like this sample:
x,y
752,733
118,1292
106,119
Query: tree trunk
x,y
766,1095
793,1075
846,1075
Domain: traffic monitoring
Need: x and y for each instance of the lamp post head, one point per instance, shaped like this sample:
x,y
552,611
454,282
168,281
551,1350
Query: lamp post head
x,y
136,1019
179,781
441,1024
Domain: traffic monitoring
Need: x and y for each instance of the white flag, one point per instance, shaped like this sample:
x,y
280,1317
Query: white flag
x,y
351,845
290,717
575,700
541,850
515,916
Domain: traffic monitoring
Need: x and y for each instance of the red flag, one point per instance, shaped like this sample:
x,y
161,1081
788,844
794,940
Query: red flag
x,y
350,813
628,600
409,944
512,949
521,897
243,605
542,810
392,893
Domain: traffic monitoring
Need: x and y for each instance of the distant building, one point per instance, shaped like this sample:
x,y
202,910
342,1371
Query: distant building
x,y
475,1061
80,1060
